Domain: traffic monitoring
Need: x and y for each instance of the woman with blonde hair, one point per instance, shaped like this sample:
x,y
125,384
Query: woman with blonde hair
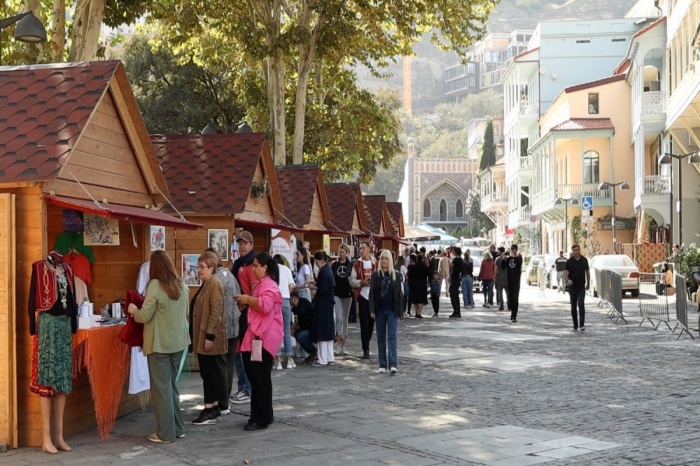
x,y
165,339
385,306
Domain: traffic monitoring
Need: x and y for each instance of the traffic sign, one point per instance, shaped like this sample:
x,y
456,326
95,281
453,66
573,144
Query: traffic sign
x,y
587,203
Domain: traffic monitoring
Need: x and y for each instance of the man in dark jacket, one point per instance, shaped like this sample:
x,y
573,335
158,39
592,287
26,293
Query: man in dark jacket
x,y
242,270
513,266
304,310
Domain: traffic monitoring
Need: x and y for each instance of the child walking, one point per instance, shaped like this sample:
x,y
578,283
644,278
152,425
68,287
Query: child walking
x,y
435,293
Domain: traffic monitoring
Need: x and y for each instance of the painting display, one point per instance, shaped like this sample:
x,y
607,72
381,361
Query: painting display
x,y
100,231
189,270
157,238
218,240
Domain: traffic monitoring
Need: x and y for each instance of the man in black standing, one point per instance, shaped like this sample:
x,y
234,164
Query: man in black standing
x,y
514,268
560,265
455,280
577,277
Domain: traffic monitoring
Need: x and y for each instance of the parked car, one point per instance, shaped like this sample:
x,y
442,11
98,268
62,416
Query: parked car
x,y
478,286
620,263
476,252
474,243
531,270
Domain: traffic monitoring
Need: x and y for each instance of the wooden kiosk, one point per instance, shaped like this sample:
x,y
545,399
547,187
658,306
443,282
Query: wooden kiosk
x,y
395,212
71,137
347,212
377,220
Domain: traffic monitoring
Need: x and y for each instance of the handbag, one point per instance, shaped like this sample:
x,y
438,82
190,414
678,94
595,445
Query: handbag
x,y
132,333
256,350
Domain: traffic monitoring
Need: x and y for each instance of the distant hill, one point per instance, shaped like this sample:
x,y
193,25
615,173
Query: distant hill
x,y
429,62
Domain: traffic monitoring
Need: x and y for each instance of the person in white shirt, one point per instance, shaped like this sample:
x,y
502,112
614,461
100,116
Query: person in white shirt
x,y
360,281
286,285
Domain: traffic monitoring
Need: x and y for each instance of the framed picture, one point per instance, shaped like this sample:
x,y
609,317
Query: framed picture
x,y
157,238
189,270
100,231
218,240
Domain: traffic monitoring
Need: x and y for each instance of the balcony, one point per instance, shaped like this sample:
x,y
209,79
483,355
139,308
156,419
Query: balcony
x,y
525,163
497,201
657,184
525,213
530,108
544,200
653,103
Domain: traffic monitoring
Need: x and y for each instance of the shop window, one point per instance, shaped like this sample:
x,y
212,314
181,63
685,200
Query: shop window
x,y
459,209
593,104
591,162
426,208
443,211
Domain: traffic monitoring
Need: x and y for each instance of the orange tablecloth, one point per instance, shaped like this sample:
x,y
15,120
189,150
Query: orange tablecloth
x,y
107,361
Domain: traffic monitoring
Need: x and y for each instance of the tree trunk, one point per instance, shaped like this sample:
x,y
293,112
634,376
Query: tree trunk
x,y
58,31
279,123
92,32
77,37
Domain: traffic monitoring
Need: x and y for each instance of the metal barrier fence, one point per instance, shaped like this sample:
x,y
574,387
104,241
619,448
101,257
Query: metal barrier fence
x,y
682,306
652,306
609,288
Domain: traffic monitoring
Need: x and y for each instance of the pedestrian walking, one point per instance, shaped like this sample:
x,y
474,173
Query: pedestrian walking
x,y
209,341
324,302
487,273
455,281
578,278
513,265
342,268
435,293
401,267
419,279
262,321
560,266
385,307
501,280
444,270
165,340
467,280
360,279
286,285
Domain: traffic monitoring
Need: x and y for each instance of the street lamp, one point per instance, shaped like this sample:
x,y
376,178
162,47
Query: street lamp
x,y
560,201
604,187
667,159
29,28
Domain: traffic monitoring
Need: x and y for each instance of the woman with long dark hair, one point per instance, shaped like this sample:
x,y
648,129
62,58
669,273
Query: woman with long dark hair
x,y
324,326
418,276
165,340
304,273
262,321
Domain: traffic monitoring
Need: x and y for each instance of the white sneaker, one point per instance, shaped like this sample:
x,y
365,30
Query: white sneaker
x,y
382,370
336,349
393,371
343,350
277,366
291,364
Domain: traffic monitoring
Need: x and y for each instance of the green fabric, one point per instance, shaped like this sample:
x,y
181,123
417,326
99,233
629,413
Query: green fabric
x,y
165,320
66,241
55,368
162,371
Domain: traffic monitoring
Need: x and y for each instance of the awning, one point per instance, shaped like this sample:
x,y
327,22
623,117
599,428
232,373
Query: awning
x,y
416,234
122,212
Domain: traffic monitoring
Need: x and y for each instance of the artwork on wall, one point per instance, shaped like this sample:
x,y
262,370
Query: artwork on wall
x,y
157,238
218,240
100,231
189,270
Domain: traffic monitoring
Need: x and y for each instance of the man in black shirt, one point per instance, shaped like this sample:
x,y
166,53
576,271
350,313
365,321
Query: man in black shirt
x,y
560,265
455,281
513,265
578,278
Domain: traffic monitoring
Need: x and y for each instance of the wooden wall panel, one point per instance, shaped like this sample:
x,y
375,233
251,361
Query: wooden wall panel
x,y
258,210
317,219
8,388
196,241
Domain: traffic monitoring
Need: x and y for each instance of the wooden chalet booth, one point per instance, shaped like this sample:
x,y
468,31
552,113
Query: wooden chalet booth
x,y
395,212
227,183
347,213
73,152
305,203
377,219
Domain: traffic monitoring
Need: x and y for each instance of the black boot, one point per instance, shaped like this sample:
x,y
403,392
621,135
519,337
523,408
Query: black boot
x,y
365,355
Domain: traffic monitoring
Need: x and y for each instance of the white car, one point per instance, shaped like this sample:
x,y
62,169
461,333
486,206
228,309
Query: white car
x,y
620,263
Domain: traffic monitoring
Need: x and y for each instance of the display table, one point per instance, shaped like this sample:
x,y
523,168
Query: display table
x,y
107,361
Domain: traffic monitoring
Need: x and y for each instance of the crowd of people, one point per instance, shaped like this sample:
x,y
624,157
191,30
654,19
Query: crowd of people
x,y
240,322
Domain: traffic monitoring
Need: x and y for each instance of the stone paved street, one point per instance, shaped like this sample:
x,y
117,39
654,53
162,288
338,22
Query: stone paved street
x,y
475,391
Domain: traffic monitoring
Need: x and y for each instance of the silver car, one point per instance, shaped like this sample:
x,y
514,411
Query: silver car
x,y
620,263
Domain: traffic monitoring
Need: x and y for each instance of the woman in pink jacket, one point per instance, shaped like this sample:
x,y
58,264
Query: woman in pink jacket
x,y
262,320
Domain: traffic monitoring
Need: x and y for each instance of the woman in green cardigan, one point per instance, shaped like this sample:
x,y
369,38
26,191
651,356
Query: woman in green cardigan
x,y
165,340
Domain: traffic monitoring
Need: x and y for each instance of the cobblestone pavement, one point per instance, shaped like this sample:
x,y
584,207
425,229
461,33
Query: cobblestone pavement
x,y
476,391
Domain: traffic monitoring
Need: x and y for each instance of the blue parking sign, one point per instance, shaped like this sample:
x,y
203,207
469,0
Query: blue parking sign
x,y
587,203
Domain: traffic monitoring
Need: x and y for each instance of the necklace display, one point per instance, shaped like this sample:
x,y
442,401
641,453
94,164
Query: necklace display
x,y
63,289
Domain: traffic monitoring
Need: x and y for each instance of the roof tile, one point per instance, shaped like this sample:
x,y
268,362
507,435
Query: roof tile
x,y
342,202
395,216
298,188
374,212
584,124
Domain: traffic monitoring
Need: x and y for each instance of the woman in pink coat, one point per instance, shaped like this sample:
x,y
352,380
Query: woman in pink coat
x,y
261,320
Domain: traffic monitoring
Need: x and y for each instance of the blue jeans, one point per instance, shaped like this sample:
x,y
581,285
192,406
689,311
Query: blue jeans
x,y
243,382
468,290
287,317
386,321
488,291
304,339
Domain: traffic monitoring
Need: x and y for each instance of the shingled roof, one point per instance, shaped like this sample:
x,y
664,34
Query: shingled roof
x,y
395,212
584,124
343,202
375,212
43,109
211,173
298,185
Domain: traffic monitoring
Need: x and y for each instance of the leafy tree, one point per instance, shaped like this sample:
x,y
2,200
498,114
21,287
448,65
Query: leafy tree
x,y
482,222
488,148
178,98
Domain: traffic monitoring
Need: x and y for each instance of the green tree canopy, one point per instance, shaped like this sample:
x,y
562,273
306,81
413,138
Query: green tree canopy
x,y
488,148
